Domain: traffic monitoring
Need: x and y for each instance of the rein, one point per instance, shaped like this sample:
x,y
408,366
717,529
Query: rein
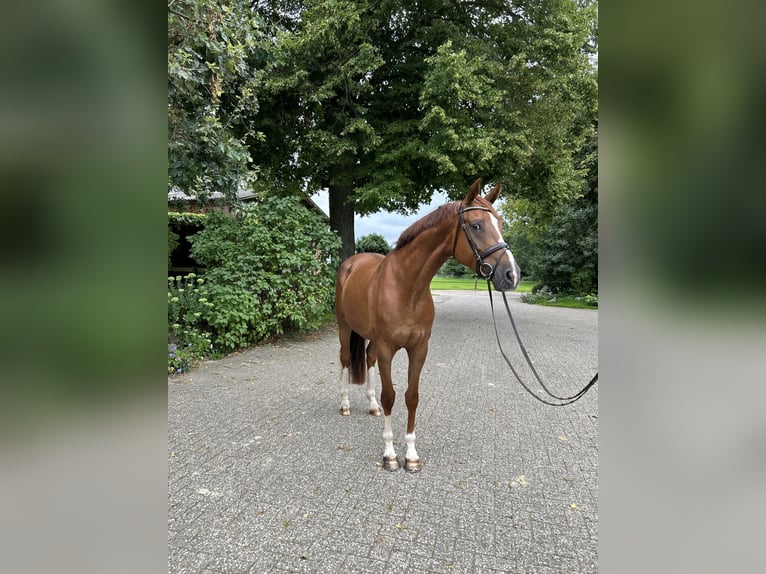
x,y
486,271
564,400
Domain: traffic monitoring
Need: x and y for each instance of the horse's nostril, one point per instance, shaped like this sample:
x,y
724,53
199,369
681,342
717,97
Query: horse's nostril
x,y
513,276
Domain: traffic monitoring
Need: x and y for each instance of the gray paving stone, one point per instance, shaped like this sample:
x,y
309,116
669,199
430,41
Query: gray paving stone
x,y
264,475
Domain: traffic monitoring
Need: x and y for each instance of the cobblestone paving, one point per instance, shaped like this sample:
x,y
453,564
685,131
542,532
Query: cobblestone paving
x,y
264,475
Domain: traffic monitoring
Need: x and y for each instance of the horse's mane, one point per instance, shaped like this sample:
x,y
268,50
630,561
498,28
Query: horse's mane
x,y
433,219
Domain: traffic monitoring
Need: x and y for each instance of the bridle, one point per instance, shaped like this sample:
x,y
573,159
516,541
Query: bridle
x,y
484,269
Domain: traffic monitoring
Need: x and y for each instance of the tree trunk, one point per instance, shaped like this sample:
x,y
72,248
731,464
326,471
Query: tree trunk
x,y
342,218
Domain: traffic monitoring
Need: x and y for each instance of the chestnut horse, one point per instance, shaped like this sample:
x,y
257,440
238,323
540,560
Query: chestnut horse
x,y
387,301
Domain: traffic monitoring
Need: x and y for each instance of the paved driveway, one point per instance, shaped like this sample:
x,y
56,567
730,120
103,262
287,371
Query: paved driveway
x,y
264,475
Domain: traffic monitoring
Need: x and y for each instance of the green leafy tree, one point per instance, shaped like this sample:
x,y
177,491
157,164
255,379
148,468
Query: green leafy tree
x,y
565,253
372,243
385,102
213,51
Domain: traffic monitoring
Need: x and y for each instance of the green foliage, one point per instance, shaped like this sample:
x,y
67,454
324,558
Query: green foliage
x,y
269,270
558,243
385,102
549,299
189,311
172,244
213,50
567,251
181,225
471,283
373,243
197,219
453,268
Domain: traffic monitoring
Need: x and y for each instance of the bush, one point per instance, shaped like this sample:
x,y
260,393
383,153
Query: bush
x,y
453,268
268,271
189,310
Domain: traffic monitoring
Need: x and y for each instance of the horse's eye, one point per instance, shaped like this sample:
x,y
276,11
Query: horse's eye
x,y
475,226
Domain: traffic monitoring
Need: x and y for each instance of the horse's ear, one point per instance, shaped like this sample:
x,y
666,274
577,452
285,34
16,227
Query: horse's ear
x,y
473,192
492,195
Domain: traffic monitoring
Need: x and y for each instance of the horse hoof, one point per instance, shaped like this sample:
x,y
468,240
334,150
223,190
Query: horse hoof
x,y
390,463
411,465
345,411
375,412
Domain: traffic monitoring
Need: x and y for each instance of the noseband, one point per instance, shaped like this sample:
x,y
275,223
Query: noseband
x,y
484,269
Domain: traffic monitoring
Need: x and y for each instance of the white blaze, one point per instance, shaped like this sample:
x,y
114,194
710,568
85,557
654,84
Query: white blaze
x,y
514,266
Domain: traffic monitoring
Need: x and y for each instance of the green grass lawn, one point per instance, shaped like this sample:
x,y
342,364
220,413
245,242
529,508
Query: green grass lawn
x,y
469,284
568,301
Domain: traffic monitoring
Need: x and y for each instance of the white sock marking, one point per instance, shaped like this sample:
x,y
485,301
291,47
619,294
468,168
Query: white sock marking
x,y
388,438
411,453
344,389
371,389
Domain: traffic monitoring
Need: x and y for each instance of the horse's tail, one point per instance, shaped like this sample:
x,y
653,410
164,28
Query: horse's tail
x,y
358,364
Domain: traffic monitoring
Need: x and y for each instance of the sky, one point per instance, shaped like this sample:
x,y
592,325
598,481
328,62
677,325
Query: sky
x,y
389,225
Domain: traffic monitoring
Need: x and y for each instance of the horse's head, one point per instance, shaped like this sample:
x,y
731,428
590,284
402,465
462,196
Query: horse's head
x,y
479,242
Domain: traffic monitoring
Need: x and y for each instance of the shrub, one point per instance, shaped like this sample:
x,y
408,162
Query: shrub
x,y
453,268
189,311
268,270
591,300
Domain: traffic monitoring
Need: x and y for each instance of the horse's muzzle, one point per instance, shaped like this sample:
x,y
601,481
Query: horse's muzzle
x,y
507,274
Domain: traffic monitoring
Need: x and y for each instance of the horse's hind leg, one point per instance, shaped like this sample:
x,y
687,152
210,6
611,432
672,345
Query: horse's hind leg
x,y
345,406
370,386
345,359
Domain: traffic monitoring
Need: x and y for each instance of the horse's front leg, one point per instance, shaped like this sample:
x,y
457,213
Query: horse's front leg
x,y
387,397
417,358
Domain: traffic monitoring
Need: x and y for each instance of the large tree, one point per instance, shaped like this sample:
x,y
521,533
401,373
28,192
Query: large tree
x,y
214,48
384,102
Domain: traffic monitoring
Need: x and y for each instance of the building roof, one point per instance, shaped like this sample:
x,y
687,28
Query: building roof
x,y
175,195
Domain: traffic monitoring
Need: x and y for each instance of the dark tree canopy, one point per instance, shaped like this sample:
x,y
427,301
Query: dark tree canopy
x,y
383,102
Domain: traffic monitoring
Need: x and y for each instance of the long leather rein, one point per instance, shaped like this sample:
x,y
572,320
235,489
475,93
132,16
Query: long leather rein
x,y
486,271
